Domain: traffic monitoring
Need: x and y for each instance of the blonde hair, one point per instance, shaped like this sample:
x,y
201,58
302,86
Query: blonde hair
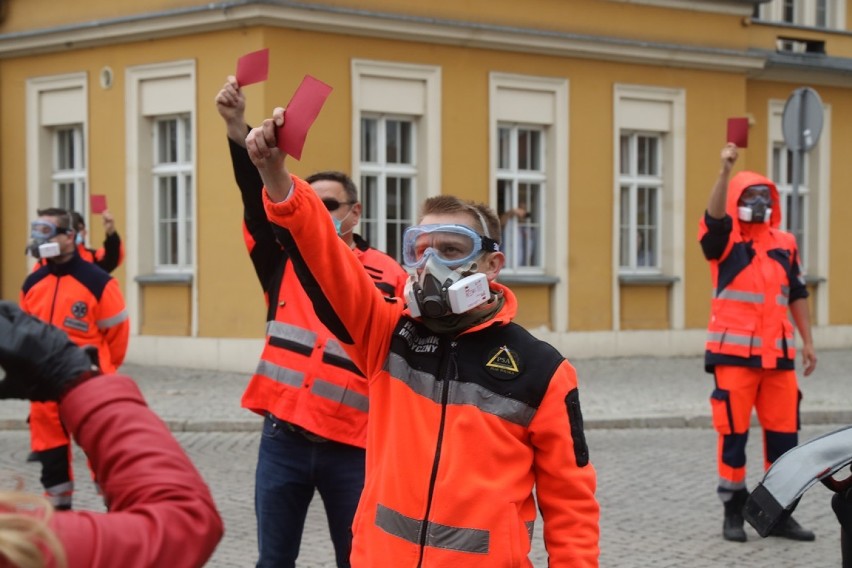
x,y
24,532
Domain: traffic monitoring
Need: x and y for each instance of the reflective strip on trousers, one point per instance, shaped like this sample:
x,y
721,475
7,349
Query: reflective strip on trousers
x,y
60,495
114,320
280,374
292,333
460,393
475,541
736,339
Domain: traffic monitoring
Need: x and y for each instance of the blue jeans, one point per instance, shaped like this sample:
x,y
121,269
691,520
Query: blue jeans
x,y
289,468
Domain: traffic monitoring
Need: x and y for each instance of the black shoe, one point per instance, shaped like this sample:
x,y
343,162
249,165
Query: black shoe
x,y
789,528
732,528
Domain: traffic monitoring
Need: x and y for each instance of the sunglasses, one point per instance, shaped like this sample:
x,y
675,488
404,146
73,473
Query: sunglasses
x,y
334,205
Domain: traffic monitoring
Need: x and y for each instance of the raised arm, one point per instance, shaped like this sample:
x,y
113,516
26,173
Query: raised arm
x,y
718,196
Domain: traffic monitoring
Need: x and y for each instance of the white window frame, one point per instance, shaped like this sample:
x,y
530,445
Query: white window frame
x,y
512,240
662,111
374,220
541,102
182,171
403,91
816,187
156,91
633,179
74,175
805,13
56,101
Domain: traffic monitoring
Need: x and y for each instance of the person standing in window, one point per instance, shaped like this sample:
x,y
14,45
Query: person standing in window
x,y
313,397
750,345
86,303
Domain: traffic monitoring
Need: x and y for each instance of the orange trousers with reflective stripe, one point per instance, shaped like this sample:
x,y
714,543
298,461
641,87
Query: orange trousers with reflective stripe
x,y
774,393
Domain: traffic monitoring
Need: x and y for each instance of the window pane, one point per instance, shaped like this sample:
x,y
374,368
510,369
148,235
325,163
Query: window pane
x,y
406,143
523,150
369,208
624,155
504,161
167,141
624,228
369,144
789,11
392,142
535,150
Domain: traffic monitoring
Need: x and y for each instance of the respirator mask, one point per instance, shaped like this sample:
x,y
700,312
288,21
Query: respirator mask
x,y
754,204
41,233
444,258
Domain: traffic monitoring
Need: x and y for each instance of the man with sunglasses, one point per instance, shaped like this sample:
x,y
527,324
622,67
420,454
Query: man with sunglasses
x,y
86,303
750,347
312,396
468,411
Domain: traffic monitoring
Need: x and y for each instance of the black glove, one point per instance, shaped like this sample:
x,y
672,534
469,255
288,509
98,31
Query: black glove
x,y
40,361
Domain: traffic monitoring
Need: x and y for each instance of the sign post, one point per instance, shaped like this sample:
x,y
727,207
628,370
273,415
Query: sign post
x,y
802,126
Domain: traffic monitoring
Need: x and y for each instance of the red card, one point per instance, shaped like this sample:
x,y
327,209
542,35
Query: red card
x,y
97,203
300,114
738,132
253,67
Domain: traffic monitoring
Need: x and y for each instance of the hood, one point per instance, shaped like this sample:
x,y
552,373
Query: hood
x,y
741,181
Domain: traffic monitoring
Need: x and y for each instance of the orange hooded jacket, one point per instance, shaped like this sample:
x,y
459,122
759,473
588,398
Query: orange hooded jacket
x,y
461,427
756,275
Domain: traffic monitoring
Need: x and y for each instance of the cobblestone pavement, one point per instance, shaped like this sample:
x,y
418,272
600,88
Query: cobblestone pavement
x,y
656,487
648,427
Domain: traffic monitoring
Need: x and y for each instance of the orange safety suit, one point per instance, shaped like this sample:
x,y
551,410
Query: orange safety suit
x,y
304,376
750,339
461,428
86,303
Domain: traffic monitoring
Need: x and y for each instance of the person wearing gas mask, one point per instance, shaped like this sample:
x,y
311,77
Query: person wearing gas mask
x,y
750,347
86,303
468,411
313,398
109,256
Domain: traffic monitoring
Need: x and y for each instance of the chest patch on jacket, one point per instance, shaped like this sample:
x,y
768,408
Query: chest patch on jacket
x,y
503,363
79,309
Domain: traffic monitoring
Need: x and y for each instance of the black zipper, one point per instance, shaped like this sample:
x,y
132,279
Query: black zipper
x,y
449,372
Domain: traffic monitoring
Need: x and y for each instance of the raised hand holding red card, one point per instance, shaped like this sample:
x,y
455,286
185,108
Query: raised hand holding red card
x,y
300,114
253,67
738,132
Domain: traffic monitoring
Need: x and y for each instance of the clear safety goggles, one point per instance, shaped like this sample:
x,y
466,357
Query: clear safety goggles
x,y
451,245
755,194
44,230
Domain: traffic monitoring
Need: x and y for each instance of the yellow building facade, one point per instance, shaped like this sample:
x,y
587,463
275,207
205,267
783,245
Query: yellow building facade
x,y
593,126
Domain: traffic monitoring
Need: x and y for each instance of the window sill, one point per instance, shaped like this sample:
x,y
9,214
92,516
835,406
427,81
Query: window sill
x,y
528,279
175,279
647,280
815,280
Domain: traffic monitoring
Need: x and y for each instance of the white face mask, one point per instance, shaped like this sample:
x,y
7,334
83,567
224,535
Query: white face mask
x,y
437,290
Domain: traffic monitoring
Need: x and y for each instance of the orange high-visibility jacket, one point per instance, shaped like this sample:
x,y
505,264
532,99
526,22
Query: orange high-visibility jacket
x,y
86,303
462,427
304,375
756,275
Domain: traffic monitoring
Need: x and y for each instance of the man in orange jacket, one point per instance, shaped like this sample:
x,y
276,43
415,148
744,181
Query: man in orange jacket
x,y
313,397
468,411
86,303
750,345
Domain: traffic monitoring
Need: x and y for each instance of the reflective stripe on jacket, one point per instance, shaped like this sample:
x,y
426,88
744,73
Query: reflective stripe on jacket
x,y
461,429
756,275
304,375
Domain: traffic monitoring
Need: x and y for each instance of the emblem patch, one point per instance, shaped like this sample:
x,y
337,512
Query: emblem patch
x,y
503,363
79,309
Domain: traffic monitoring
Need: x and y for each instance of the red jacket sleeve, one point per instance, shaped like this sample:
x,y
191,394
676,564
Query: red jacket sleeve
x,y
161,512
